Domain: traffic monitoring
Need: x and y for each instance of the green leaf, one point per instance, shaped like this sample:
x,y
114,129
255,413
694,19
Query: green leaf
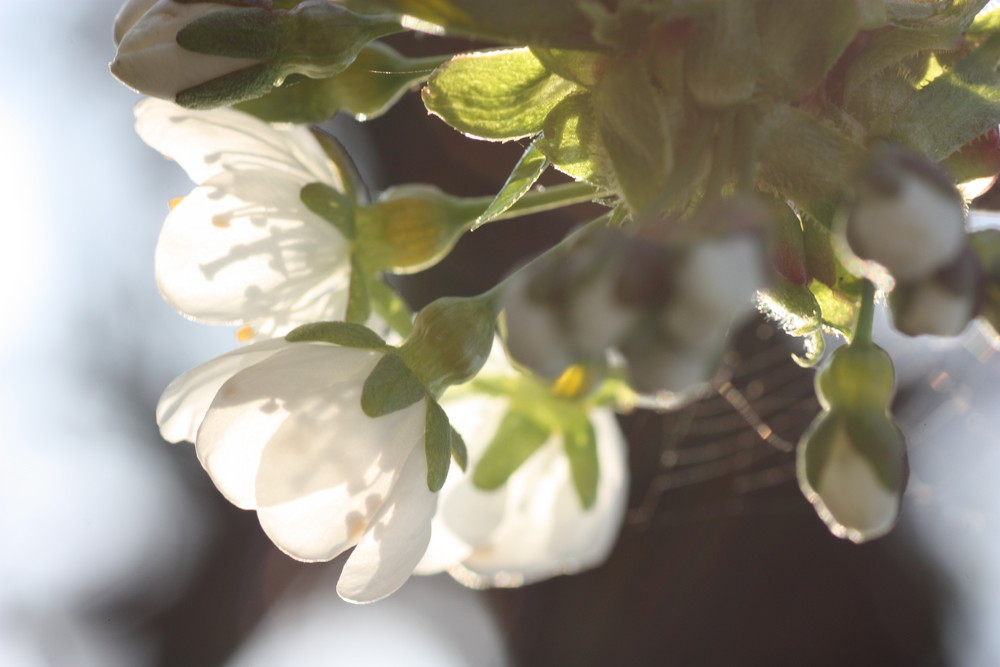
x,y
525,173
571,142
344,334
331,205
359,307
517,438
391,386
390,307
497,95
794,307
635,131
438,435
796,49
722,58
580,444
955,108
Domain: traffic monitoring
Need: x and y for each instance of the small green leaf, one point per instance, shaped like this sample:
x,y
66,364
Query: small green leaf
x,y
344,334
570,141
955,108
517,438
496,95
332,206
794,307
438,436
525,173
580,444
458,449
390,307
359,307
391,386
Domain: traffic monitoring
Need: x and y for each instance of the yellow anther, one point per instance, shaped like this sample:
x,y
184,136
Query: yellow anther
x,y
573,383
245,334
172,204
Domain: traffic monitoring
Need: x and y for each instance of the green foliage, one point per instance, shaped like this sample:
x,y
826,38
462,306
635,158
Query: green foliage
x,y
391,386
517,437
956,107
580,445
525,173
437,444
570,140
498,95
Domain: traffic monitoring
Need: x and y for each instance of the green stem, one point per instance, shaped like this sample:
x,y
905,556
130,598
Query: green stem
x,y
538,200
866,314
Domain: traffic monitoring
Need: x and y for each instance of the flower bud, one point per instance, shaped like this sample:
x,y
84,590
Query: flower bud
x,y
571,306
852,468
908,216
943,304
150,60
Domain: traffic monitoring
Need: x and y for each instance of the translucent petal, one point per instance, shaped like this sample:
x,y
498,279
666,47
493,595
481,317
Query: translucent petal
x,y
183,404
207,143
244,247
253,406
395,539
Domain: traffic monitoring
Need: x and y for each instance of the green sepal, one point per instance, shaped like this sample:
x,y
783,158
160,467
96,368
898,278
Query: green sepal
x,y
559,23
359,307
495,95
438,435
376,79
580,445
390,307
797,50
248,32
391,386
877,438
794,307
345,334
839,305
516,438
244,84
956,107
459,452
522,177
570,140
341,163
331,205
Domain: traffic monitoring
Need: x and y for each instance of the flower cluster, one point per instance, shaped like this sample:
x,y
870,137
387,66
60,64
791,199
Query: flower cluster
x,y
743,150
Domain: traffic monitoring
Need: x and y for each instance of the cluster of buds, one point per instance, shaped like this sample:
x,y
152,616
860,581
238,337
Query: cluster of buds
x,y
852,459
909,217
665,306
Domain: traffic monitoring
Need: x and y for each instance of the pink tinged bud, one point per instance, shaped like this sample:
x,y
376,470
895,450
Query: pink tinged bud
x,y
909,218
149,59
534,337
942,305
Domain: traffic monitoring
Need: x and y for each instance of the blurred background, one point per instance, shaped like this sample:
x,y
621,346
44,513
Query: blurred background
x,y
116,550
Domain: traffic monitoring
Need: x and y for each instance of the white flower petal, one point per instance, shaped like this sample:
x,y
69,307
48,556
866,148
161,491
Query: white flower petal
x,y
252,407
396,538
244,247
184,402
206,143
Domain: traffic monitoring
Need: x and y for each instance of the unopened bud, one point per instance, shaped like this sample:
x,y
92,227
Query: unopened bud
x,y
943,304
908,216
